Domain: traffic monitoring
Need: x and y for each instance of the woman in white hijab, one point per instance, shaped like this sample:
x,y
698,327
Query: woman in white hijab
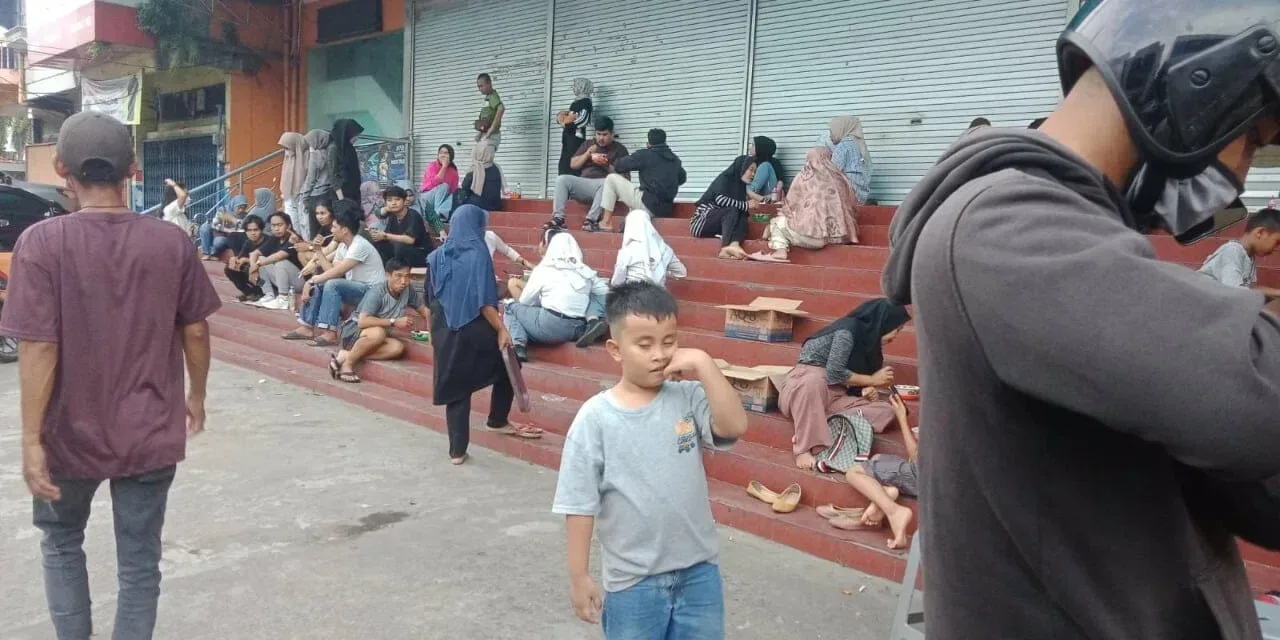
x,y
644,256
553,305
848,148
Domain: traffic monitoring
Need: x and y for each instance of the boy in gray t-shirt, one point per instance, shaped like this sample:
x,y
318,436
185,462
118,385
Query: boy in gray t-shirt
x,y
1234,263
632,462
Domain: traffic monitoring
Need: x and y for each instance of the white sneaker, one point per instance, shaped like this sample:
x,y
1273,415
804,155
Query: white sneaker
x,y
275,304
264,302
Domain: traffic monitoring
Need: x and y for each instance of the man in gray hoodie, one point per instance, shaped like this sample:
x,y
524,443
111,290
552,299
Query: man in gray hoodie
x,y
1112,422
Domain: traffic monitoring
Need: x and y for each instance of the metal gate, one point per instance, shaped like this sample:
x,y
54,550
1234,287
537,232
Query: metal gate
x,y
191,161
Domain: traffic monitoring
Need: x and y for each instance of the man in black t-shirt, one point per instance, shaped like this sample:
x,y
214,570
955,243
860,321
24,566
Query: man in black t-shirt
x,y
278,261
405,237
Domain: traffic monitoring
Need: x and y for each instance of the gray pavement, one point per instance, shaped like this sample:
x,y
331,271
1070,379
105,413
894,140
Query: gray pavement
x,y
300,516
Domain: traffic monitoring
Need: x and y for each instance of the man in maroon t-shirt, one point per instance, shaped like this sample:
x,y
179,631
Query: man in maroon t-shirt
x,y
106,303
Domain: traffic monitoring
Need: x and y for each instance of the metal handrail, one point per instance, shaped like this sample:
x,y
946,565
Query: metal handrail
x,y
223,197
220,179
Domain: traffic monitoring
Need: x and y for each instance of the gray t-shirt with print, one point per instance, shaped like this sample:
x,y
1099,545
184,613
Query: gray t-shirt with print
x,y
1231,265
640,473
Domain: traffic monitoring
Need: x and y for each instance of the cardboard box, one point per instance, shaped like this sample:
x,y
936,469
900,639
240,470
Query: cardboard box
x,y
764,320
757,386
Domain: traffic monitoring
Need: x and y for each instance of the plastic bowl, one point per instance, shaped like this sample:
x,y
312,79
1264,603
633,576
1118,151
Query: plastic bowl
x,y
908,391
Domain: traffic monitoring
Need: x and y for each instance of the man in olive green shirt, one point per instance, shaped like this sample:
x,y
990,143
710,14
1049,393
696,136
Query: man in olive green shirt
x,y
489,125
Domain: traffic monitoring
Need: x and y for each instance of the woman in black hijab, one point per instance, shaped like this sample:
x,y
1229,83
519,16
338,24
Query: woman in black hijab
x,y
343,158
768,169
722,210
841,368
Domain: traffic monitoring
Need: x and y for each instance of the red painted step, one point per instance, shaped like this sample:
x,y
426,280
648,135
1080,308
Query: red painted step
x,y
263,329
595,359
869,214
745,462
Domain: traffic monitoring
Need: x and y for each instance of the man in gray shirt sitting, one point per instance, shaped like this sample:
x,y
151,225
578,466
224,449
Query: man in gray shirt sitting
x,y
366,335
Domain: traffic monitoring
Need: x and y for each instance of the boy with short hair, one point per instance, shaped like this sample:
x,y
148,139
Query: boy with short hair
x,y
660,546
1234,263
366,335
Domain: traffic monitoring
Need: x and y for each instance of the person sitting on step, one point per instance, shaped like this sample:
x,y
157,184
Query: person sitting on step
x,y
644,257
515,284
763,152
595,161
553,304
356,267
317,254
819,210
722,210
1234,263
484,183
277,259
366,335
841,369
238,271
405,235
216,235
848,147
661,175
439,182
881,479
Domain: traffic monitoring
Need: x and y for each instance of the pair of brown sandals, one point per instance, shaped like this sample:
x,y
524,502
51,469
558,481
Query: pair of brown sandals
x,y
784,502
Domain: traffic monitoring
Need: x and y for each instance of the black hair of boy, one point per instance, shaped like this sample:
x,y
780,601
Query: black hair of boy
x,y
392,265
1035,124
485,77
657,137
1268,219
254,219
979,122
644,299
604,123
284,217
347,213
394,191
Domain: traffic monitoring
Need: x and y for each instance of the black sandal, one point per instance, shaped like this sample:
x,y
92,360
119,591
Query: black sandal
x,y
553,224
590,226
349,377
334,367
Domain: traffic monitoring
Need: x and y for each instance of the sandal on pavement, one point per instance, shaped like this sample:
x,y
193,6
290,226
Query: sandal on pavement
x,y
524,432
323,342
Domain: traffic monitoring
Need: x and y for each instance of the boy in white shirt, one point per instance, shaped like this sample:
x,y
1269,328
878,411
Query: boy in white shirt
x,y
631,461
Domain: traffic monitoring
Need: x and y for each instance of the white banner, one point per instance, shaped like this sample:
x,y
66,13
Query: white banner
x,y
120,98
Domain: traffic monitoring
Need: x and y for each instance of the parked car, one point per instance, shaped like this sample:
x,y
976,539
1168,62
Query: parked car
x,y
8,346
23,204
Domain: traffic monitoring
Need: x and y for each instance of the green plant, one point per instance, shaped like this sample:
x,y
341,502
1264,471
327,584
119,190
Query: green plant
x,y
179,27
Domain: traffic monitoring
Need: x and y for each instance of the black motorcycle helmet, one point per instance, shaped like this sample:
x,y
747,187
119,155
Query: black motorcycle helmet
x,y
1190,76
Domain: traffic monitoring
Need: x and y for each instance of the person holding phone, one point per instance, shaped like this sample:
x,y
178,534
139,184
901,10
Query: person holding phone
x,y
356,267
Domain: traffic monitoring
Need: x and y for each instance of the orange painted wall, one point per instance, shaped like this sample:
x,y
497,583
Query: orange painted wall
x,y
257,103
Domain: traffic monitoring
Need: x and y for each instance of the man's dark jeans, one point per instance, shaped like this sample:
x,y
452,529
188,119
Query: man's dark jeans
x,y
138,507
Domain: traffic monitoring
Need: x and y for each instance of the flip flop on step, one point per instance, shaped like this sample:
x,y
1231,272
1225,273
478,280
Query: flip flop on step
x,y
521,431
829,511
334,367
349,377
294,335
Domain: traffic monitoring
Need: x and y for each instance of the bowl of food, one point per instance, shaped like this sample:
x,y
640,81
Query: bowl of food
x,y
908,391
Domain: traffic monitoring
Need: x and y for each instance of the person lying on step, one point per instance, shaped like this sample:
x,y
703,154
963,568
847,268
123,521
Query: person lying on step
x,y
884,476
366,335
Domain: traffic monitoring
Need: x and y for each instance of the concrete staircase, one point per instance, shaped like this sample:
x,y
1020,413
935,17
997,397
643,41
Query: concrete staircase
x,y
829,282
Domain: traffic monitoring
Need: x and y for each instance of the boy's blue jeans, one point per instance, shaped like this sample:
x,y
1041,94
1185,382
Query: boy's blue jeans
x,y
210,244
324,309
681,605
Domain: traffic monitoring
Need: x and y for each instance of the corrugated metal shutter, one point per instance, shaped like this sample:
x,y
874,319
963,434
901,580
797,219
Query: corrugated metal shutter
x,y
672,64
916,73
456,40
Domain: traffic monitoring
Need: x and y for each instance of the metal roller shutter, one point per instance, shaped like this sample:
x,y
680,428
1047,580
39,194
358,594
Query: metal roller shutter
x,y
916,73
671,64
456,40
